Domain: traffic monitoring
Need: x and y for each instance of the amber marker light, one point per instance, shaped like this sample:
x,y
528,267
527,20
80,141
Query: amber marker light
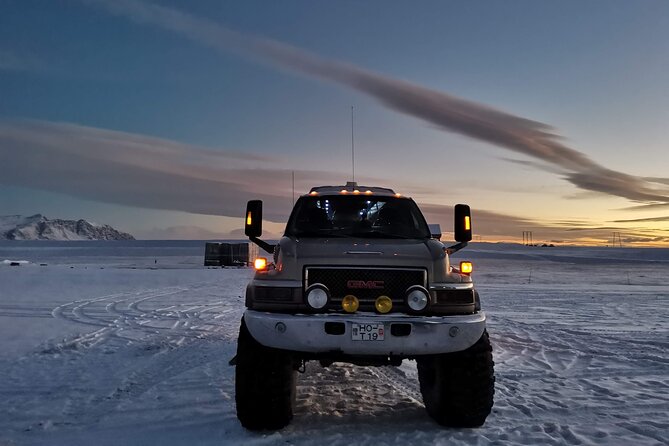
x,y
350,303
468,223
313,192
466,267
368,192
343,191
248,218
260,264
398,195
383,304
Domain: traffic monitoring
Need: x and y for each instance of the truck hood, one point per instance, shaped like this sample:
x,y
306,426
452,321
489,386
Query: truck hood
x,y
356,251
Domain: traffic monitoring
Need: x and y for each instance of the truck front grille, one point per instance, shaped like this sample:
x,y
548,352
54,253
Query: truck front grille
x,y
367,284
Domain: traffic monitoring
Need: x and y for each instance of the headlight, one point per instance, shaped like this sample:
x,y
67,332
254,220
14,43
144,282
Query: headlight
x,y
317,296
417,298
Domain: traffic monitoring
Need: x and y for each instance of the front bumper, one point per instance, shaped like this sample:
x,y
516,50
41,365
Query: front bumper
x,y
307,333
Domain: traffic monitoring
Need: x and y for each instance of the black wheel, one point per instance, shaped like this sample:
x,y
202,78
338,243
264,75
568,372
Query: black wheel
x,y
264,384
458,388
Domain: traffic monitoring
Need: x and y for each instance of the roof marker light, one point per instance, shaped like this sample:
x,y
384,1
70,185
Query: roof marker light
x,y
313,192
343,191
368,192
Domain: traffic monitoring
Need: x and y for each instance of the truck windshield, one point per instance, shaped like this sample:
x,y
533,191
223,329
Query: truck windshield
x,y
357,216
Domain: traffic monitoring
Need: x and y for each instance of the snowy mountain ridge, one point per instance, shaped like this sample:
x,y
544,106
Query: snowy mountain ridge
x,y
38,227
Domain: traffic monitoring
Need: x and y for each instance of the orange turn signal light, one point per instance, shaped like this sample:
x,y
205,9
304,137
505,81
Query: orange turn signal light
x,y
260,264
466,267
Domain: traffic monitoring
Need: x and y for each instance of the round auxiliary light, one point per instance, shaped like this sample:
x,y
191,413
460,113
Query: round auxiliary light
x,y
317,296
383,304
350,303
417,298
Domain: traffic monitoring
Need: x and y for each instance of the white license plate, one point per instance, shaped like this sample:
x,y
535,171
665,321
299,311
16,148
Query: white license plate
x,y
367,332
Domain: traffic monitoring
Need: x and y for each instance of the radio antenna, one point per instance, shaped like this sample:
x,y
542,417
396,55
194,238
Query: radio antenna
x,y
352,147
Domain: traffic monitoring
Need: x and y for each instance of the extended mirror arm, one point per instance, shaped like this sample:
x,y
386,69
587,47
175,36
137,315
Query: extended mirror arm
x,y
455,248
263,244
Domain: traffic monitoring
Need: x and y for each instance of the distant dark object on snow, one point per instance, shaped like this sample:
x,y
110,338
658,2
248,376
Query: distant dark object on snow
x,y
229,254
38,227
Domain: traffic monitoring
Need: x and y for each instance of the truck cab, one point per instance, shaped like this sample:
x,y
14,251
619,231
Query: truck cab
x,y
360,277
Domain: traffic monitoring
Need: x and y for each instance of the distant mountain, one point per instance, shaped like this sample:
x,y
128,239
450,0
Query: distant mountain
x,y
38,227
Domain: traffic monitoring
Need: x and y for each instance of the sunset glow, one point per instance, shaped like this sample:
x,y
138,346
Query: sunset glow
x,y
163,118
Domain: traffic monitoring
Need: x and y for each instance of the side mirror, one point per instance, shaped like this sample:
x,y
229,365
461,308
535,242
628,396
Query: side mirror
x,y
463,223
435,231
253,220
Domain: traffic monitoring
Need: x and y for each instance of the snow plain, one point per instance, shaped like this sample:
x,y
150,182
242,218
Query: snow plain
x,y
128,343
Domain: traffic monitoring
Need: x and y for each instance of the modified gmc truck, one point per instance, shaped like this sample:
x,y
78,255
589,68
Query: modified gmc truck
x,y
359,277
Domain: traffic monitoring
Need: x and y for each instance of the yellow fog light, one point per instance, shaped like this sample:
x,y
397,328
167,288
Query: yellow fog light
x,y
350,303
466,267
383,304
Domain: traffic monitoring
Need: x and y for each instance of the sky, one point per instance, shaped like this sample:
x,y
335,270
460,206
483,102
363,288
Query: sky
x,y
163,119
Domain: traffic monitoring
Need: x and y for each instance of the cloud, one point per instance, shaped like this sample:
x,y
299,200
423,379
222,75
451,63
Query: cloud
x,y
193,232
657,180
492,224
643,220
182,232
148,172
142,171
479,121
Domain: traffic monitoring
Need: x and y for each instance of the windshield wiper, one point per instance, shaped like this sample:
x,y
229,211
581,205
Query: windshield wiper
x,y
323,233
377,234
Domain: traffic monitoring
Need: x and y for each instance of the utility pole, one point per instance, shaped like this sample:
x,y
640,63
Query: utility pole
x,y
527,238
617,239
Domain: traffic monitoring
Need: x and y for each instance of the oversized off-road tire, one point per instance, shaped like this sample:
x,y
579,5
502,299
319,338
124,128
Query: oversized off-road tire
x,y
458,388
264,384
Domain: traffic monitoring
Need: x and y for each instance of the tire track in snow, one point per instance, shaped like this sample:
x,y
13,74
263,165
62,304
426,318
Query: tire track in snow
x,y
129,316
579,373
398,380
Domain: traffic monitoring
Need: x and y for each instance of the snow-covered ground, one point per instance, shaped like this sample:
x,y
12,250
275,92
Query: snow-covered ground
x,y
129,342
